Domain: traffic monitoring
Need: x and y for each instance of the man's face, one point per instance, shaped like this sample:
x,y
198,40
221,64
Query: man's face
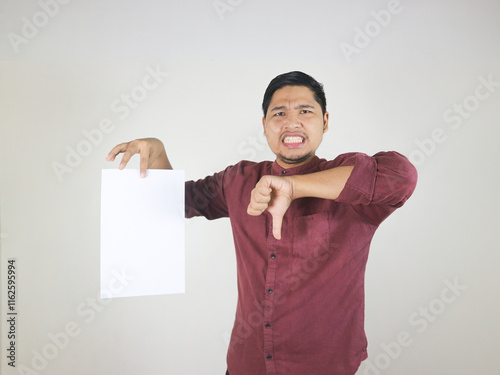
x,y
294,125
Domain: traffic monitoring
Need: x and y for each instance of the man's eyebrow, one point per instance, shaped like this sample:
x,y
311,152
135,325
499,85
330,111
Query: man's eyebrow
x,y
302,106
278,108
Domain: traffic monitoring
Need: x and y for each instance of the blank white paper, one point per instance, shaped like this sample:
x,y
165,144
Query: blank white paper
x,y
142,233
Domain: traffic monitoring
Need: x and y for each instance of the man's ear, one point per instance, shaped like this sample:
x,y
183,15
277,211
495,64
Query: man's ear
x,y
325,122
264,124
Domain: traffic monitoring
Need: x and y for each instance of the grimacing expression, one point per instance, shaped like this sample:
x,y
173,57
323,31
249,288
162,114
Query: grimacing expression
x,y
294,125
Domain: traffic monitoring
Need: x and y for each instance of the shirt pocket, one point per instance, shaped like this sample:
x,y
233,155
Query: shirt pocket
x,y
311,238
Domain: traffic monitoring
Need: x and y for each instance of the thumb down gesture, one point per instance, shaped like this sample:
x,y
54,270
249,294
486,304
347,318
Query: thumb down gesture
x,y
274,194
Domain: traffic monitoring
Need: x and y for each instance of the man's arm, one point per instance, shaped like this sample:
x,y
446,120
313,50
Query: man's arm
x,y
375,186
275,193
325,184
202,198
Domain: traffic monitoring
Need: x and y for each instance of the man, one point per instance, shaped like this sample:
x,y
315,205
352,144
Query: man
x,y
302,228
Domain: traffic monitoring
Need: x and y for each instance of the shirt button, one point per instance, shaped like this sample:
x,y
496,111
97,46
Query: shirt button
x,y
269,291
269,356
283,172
268,325
273,256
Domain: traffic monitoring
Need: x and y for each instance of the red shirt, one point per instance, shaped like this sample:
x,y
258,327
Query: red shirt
x,y
300,304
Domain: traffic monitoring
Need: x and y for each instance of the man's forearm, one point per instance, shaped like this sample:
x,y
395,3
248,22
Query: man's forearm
x,y
326,184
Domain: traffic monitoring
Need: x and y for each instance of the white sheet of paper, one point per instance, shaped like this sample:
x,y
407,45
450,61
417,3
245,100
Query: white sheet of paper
x,y
142,233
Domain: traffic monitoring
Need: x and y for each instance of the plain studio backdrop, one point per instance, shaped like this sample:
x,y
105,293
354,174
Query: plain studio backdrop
x,y
79,77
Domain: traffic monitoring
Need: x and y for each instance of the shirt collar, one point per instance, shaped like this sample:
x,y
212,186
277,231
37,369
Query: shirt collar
x,y
308,167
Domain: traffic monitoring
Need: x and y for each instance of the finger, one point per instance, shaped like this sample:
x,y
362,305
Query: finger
x,y
125,159
122,147
255,209
144,162
263,193
264,186
277,220
259,197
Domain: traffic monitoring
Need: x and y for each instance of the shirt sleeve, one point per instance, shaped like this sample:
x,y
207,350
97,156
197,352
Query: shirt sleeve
x,y
205,197
378,184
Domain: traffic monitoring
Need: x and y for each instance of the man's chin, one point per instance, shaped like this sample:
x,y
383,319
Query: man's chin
x,y
294,160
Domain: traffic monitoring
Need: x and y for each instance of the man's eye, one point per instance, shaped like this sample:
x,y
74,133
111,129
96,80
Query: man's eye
x,y
279,114
305,111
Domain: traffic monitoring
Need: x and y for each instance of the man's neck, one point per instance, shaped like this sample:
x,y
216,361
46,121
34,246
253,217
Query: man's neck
x,y
288,163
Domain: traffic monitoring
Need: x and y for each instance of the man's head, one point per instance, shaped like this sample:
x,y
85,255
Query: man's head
x,y
295,117
294,79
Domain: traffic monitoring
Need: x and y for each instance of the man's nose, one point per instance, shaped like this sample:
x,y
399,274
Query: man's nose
x,y
293,122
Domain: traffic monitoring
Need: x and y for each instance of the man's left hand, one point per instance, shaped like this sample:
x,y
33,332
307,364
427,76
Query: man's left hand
x,y
274,194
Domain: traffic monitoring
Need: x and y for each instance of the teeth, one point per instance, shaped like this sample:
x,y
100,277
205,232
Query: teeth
x,y
293,140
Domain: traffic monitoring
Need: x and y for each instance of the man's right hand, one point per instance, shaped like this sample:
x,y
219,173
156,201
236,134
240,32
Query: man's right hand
x,y
151,150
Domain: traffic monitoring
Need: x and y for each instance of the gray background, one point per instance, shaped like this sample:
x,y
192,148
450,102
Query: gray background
x,y
394,94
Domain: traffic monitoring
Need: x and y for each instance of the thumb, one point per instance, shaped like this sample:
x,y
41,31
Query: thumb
x,y
277,220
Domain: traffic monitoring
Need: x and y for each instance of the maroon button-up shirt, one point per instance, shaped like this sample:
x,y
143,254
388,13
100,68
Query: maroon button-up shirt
x,y
300,304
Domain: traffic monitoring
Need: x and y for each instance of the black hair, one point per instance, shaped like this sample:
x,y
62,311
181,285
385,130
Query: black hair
x,y
295,78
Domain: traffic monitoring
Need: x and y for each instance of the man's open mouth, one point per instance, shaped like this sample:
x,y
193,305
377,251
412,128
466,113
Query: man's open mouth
x,y
293,140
